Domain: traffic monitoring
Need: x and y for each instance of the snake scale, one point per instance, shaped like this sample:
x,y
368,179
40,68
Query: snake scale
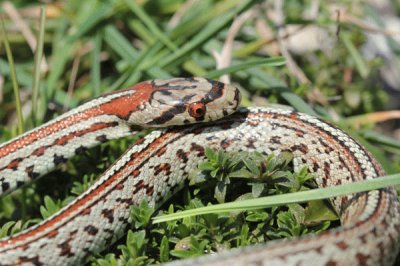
x,y
159,163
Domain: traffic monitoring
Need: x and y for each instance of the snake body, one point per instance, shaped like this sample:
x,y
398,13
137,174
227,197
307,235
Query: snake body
x,y
160,162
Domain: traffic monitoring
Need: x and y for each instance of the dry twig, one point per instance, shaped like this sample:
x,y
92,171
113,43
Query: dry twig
x,y
224,58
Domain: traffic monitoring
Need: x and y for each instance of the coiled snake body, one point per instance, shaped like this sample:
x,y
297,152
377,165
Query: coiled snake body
x,y
160,162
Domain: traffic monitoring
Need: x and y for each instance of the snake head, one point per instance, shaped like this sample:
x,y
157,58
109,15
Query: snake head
x,y
181,101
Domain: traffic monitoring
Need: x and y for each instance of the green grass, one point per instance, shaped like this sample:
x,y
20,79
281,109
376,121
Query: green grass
x,y
118,43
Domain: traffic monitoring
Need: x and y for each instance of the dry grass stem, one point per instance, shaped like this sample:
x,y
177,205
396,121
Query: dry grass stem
x,y
23,27
224,58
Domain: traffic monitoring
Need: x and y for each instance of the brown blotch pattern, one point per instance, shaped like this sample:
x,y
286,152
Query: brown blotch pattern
x,y
91,230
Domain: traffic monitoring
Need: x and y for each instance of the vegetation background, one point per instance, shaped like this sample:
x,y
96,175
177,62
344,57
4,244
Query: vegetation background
x,y
342,64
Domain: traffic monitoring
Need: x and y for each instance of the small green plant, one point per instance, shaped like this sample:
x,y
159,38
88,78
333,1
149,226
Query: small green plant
x,y
224,176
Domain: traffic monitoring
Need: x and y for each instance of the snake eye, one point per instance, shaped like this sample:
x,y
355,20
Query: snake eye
x,y
197,110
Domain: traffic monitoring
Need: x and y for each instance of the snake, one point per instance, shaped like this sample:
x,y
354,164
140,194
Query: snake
x,y
190,114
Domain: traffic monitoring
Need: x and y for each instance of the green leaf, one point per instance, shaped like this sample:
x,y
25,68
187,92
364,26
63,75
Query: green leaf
x,y
252,166
164,249
244,236
6,228
108,260
141,214
257,216
257,189
189,247
220,191
50,207
242,173
210,154
318,211
298,212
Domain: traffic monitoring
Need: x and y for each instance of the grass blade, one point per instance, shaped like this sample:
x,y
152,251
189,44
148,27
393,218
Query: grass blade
x,y
120,44
98,14
210,30
274,61
95,70
139,12
380,138
298,197
13,75
297,102
358,59
38,60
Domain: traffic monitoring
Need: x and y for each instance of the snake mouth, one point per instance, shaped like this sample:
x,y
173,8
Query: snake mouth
x,y
237,98
234,98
